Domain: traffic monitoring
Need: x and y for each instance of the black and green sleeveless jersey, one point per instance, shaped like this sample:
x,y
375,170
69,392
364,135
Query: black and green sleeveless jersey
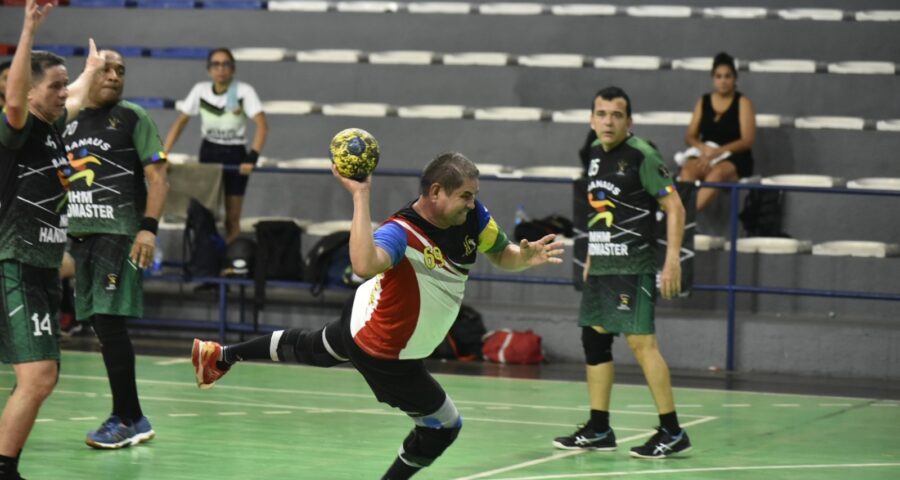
x,y
32,192
623,188
108,149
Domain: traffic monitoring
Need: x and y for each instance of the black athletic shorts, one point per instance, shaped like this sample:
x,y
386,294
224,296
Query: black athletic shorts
x,y
403,384
235,183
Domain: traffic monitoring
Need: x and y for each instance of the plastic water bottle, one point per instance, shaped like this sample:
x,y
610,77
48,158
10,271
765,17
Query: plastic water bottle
x,y
521,216
156,265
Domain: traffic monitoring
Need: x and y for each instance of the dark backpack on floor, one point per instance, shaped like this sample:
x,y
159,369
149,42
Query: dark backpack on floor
x,y
278,257
762,213
464,340
534,230
328,263
203,247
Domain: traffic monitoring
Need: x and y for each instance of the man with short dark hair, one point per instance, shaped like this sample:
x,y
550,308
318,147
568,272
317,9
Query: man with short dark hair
x,y
417,263
32,226
628,183
117,189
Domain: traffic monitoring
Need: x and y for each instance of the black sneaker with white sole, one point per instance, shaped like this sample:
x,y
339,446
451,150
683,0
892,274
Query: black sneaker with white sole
x,y
585,438
663,444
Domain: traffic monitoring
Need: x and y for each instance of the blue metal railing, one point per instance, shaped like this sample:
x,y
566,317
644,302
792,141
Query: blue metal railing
x,y
731,288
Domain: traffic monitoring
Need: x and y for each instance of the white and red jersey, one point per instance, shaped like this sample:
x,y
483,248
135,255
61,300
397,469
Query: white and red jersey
x,y
406,311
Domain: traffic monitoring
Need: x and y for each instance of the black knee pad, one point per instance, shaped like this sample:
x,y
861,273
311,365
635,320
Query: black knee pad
x,y
319,348
597,346
424,445
432,435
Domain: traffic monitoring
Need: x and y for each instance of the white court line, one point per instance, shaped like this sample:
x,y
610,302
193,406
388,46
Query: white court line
x,y
571,453
675,471
514,380
363,411
173,361
79,419
835,404
316,409
735,405
353,395
786,405
72,392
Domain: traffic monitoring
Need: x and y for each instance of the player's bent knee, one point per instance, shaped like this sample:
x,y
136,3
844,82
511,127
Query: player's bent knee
x,y
432,434
597,346
319,348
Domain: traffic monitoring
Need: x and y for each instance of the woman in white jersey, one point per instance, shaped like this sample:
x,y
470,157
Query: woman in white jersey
x,y
224,105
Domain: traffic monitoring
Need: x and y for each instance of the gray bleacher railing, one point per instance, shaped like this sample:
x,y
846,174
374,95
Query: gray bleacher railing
x,y
731,288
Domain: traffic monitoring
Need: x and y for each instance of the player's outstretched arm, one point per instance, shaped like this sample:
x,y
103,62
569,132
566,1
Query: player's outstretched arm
x,y
19,81
79,89
367,259
528,254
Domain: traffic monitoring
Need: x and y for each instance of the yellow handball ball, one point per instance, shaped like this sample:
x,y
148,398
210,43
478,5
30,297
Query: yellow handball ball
x,y
354,152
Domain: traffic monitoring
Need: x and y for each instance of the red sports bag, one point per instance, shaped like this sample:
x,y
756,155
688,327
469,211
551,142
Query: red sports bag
x,y
512,346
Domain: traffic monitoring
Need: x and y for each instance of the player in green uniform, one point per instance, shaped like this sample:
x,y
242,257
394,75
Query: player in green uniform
x,y
32,226
628,183
117,188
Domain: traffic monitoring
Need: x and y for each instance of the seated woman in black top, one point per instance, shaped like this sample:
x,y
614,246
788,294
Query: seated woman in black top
x,y
721,131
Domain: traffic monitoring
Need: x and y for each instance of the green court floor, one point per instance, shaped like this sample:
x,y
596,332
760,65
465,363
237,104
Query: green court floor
x,y
266,421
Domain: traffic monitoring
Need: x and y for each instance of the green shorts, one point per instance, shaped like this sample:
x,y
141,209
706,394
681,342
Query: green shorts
x,y
107,282
29,300
619,303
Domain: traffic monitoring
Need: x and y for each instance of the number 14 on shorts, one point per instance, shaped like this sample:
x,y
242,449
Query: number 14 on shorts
x,y
41,327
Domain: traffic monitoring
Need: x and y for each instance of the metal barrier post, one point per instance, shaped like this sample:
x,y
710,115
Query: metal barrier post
x,y
732,279
222,313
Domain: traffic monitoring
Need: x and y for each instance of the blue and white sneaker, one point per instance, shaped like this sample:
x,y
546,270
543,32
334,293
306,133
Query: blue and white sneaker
x,y
143,431
663,445
114,433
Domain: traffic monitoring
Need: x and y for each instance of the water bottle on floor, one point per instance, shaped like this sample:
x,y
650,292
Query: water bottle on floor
x,y
521,215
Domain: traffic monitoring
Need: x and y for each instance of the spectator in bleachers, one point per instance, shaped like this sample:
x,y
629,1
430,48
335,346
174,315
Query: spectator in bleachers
x,y
4,74
224,105
721,133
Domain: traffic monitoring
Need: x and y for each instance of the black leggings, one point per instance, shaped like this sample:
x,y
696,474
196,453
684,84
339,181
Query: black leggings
x,y
118,355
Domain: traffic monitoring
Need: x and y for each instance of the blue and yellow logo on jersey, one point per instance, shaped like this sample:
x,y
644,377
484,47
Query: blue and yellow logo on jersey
x,y
600,204
78,167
